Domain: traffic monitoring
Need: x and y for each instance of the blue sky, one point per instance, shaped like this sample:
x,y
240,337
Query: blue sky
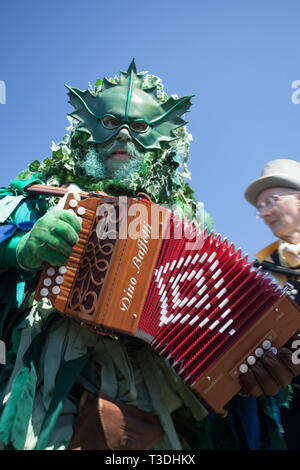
x,y
239,58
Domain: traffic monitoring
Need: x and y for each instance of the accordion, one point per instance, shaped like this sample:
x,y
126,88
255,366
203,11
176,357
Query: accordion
x,y
140,270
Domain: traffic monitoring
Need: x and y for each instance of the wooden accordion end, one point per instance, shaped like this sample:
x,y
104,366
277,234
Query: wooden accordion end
x,y
140,271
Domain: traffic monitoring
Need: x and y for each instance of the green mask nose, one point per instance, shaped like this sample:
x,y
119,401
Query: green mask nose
x,y
123,135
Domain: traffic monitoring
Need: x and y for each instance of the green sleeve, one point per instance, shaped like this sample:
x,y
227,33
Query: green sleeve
x,y
8,248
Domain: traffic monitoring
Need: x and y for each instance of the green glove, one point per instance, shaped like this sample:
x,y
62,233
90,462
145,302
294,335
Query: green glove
x,y
51,239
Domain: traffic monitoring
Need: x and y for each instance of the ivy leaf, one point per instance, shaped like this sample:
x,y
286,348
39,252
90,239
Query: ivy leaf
x,y
34,166
47,162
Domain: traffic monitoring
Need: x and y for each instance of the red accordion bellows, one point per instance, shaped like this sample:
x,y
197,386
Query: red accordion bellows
x,y
200,301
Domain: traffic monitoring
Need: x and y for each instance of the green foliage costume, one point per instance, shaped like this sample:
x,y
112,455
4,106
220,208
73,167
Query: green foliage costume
x,y
125,136
48,356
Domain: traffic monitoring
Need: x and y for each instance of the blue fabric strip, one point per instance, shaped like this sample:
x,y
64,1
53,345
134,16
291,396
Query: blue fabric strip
x,y
8,230
244,421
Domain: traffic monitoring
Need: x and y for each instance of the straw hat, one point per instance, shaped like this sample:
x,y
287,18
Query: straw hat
x,y
277,173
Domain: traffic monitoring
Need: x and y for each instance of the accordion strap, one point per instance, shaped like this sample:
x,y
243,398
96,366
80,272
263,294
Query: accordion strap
x,y
275,268
47,190
59,191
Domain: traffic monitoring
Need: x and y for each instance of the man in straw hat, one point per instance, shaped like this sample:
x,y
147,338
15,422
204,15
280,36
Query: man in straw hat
x,y
276,197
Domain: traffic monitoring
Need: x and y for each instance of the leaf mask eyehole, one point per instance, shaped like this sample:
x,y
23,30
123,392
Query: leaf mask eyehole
x,y
110,122
139,126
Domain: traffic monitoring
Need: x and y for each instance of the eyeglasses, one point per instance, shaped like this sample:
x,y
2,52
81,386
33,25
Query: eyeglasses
x,y
269,203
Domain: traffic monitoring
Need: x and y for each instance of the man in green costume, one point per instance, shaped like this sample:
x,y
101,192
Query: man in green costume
x,y
61,380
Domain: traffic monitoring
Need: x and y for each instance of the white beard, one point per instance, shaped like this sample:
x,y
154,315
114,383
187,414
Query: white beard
x,y
97,165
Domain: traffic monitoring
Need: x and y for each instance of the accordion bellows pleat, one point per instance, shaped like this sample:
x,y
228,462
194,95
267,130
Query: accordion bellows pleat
x,y
141,271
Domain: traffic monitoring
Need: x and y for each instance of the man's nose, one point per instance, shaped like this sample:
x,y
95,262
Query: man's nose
x,y
267,211
124,135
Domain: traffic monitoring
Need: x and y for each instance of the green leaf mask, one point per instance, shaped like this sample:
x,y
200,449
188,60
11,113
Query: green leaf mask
x,y
128,105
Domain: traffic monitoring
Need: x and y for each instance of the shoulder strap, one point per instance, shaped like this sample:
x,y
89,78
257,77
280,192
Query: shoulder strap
x,y
276,268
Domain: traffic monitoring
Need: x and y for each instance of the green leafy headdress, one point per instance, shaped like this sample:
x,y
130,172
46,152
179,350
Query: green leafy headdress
x,y
127,104
137,102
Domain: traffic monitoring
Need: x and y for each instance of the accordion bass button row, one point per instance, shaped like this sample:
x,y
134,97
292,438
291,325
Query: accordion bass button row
x,y
259,352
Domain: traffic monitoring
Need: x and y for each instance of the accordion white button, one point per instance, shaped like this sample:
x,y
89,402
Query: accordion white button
x,y
266,344
56,290
50,271
251,360
44,292
81,210
62,270
47,282
274,350
59,279
259,352
243,368
73,203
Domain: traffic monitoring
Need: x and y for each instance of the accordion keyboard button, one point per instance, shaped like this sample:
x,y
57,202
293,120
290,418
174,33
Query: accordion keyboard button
x,y
56,290
50,271
62,270
243,368
44,292
266,344
47,282
73,203
259,352
59,279
251,360
81,210
273,350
